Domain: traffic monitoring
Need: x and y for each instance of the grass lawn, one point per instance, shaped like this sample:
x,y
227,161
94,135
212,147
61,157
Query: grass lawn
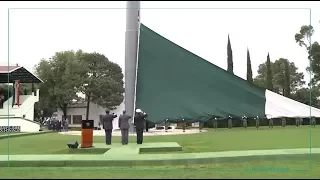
x,y
221,140
218,170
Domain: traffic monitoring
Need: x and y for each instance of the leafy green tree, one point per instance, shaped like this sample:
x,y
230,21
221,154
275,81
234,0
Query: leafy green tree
x,y
303,95
286,79
61,79
278,80
249,68
7,91
303,38
315,60
102,81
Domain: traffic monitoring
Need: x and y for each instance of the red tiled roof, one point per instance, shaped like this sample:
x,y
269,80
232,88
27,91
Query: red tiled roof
x,y
6,68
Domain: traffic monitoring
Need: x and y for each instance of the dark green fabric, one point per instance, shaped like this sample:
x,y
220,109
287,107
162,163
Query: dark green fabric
x,y
173,83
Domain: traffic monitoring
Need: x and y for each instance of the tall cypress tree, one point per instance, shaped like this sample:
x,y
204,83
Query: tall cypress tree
x,y
286,79
249,68
230,59
269,74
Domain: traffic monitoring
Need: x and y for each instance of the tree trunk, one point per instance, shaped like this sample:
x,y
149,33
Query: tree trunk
x,y
88,106
64,110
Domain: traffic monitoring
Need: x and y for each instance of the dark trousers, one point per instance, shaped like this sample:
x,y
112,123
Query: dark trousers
x,y
245,125
283,123
108,136
257,124
229,124
124,136
139,136
215,125
147,127
270,124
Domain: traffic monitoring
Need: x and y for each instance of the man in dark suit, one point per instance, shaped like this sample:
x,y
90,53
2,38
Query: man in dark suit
x,y
139,119
124,127
107,125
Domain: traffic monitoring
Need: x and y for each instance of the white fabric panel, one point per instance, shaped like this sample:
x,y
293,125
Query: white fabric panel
x,y
280,106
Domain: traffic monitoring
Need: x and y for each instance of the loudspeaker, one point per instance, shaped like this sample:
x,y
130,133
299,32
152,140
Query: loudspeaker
x,y
73,144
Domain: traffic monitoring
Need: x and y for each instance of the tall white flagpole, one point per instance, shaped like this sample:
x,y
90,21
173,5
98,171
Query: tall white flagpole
x,y
131,51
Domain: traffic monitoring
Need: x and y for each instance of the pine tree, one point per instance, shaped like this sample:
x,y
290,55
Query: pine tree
x,y
269,74
249,68
230,59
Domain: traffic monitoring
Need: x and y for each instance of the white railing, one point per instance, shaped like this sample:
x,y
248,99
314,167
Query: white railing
x,y
28,102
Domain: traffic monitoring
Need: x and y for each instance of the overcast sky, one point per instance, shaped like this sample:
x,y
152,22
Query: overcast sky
x,y
39,33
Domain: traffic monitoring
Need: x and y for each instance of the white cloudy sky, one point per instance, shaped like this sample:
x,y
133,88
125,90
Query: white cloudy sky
x,y
39,33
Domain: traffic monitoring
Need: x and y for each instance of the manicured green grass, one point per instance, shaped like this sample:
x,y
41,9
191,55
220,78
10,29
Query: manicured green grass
x,y
290,169
221,140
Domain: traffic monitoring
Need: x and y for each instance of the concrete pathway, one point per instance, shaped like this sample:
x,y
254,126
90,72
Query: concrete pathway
x,y
128,156
151,132
12,135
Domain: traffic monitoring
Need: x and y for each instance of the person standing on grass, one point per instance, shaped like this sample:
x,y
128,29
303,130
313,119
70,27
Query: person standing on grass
x,y
63,125
166,125
244,122
124,127
139,119
298,122
313,122
107,126
271,123
229,122
257,122
60,125
56,125
215,124
283,122
66,125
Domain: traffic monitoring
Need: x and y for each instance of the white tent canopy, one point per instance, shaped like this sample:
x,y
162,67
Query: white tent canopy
x,y
279,106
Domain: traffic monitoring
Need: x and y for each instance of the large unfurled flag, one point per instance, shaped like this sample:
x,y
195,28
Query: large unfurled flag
x,y
16,93
190,88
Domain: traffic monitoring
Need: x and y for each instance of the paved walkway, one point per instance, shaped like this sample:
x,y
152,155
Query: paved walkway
x,y
11,135
151,132
125,155
123,158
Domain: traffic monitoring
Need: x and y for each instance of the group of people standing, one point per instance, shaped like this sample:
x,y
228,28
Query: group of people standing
x,y
124,125
256,119
58,125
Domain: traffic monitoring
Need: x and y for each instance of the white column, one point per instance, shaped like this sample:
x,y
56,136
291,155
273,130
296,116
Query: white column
x,y
131,46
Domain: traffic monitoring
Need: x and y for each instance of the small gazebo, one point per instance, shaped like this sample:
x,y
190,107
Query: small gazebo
x,y
9,74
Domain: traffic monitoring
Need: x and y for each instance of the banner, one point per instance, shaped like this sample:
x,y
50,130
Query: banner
x,y
16,93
